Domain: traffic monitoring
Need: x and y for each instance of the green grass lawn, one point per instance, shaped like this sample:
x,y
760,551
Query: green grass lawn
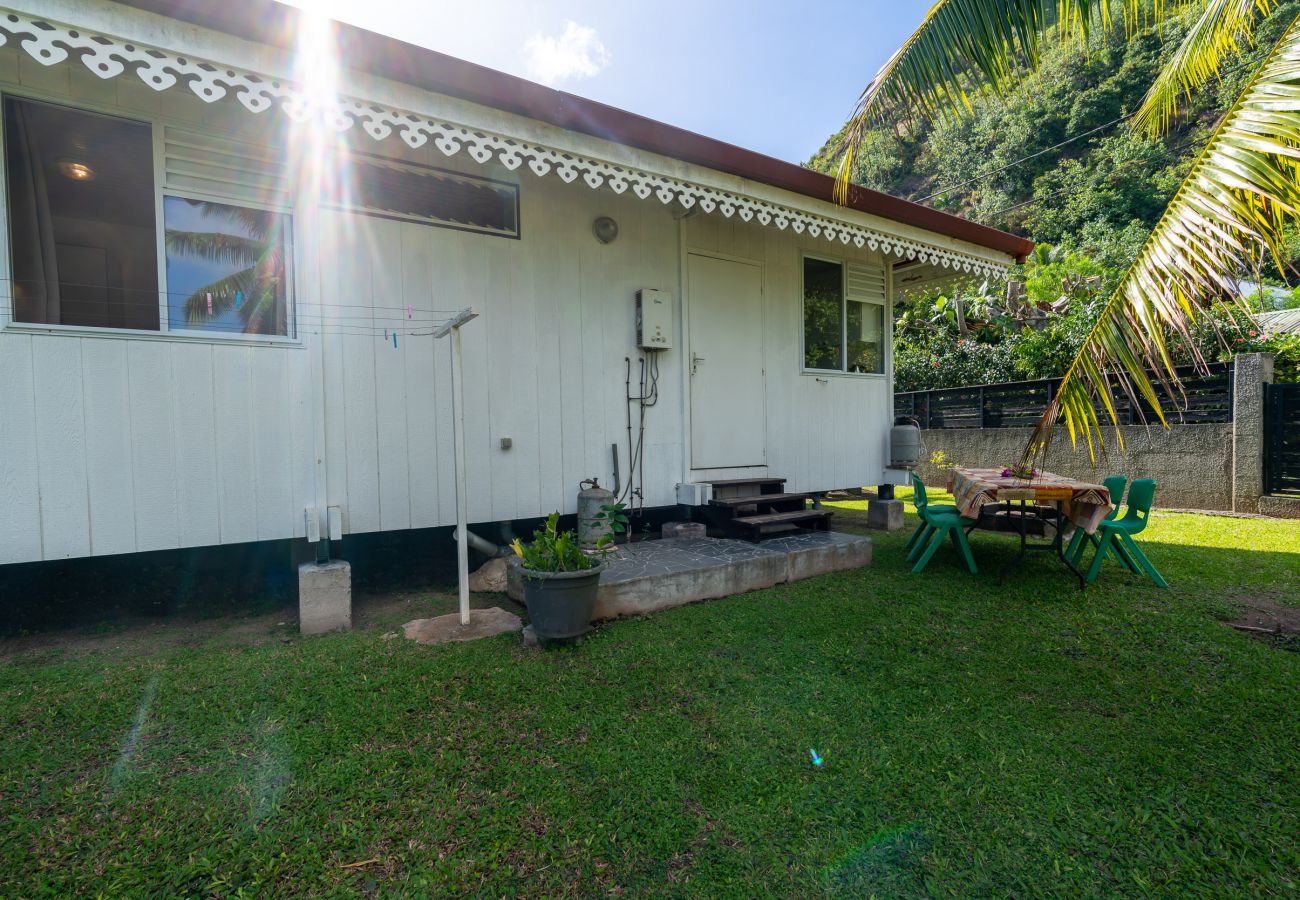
x,y
1027,739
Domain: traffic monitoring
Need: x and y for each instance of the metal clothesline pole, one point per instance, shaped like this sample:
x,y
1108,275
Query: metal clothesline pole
x,y
452,327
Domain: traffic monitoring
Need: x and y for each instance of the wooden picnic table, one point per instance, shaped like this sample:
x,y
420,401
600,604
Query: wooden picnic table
x,y
1006,503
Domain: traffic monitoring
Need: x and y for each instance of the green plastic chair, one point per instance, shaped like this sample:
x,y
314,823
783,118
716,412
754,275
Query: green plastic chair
x,y
940,524
937,520
1074,552
1119,532
924,508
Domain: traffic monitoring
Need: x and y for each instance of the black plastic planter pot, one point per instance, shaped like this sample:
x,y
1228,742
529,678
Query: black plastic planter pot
x,y
560,604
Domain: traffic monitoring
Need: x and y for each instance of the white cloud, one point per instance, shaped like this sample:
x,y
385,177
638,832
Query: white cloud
x,y
576,53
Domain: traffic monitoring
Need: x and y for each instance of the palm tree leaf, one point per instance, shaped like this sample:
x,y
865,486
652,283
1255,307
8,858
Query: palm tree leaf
x,y
262,288
964,46
215,246
256,222
1241,192
1223,29
223,292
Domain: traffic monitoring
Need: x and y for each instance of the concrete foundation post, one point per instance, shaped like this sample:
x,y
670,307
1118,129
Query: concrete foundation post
x,y
1250,372
325,597
885,514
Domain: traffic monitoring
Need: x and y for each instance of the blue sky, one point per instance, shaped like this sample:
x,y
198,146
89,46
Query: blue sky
x,y
765,75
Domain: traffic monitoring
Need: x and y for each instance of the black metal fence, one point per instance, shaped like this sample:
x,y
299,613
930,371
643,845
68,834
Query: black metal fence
x,y
1017,404
1282,439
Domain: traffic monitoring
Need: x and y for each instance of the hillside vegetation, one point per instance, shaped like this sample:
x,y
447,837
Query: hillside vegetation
x,y
1053,160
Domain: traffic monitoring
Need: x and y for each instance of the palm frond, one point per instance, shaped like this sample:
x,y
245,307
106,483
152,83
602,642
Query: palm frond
x,y
256,222
965,46
223,293
1223,30
1242,190
215,247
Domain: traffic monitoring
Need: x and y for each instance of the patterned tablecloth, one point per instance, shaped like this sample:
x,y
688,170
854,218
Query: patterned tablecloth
x,y
1082,503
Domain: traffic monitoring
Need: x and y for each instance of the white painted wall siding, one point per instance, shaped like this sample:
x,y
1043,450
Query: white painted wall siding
x,y
824,431
544,362
112,443
116,445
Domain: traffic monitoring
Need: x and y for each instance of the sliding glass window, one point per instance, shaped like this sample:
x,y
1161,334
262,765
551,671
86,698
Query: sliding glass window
x,y
82,231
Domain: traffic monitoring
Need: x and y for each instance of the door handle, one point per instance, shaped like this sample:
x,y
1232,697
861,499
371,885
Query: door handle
x,y
695,362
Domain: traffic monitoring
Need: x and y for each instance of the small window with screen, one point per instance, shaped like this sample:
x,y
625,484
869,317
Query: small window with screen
x,y
414,193
844,321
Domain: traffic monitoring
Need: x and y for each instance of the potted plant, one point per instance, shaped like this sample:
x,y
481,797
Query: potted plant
x,y
560,581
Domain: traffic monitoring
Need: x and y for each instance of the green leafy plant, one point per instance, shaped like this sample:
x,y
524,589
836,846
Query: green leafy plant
x,y
1229,209
942,461
615,516
552,550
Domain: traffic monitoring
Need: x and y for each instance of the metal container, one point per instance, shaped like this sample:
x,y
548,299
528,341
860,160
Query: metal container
x,y
904,443
592,526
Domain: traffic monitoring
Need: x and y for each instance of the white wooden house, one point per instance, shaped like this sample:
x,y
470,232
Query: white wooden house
x,y
222,264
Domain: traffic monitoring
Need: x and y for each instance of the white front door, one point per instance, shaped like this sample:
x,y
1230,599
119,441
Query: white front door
x,y
728,398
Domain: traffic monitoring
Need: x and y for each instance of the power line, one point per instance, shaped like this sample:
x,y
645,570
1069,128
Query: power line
x,y
1023,159
986,216
1223,73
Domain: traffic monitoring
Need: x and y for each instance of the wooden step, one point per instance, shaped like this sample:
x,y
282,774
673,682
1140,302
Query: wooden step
x,y
756,499
741,487
754,528
728,482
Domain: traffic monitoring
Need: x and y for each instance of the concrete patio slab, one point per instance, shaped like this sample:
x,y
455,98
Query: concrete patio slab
x,y
652,575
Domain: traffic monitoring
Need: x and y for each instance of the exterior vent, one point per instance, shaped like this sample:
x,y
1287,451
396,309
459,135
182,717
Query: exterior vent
x,y
865,283
229,169
389,189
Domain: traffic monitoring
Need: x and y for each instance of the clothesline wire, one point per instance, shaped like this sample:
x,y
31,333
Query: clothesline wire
x,y
161,293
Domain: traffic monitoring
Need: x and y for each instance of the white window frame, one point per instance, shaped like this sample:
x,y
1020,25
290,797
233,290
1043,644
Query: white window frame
x,y
163,332
886,320
290,264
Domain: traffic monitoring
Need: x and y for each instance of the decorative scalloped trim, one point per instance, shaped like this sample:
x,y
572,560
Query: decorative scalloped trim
x,y
51,43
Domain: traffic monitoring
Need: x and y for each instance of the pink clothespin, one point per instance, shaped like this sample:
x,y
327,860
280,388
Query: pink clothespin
x,y
209,303
409,311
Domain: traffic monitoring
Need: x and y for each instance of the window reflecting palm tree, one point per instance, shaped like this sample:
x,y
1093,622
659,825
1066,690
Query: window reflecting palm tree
x,y
245,249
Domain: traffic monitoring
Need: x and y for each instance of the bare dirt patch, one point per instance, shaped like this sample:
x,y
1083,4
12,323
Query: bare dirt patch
x,y
140,636
1268,616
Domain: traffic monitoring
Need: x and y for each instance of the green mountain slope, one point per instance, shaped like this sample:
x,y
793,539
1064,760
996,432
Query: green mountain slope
x,y
1053,159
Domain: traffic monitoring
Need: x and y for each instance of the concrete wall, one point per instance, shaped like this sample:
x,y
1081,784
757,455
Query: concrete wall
x,y
1204,466
1192,464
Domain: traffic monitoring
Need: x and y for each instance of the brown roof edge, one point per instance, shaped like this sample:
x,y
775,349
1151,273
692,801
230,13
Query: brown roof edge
x,y
268,22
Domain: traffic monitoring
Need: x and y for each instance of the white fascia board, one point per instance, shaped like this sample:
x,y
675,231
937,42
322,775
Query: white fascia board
x,y
218,47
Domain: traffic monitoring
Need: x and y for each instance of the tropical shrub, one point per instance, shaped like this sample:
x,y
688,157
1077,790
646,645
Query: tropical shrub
x,y
552,550
960,362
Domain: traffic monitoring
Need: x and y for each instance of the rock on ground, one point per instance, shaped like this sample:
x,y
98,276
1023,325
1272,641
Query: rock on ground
x,y
489,577
482,623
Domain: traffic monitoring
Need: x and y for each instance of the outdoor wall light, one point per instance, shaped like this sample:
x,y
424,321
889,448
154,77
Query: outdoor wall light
x,y
605,229
77,171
